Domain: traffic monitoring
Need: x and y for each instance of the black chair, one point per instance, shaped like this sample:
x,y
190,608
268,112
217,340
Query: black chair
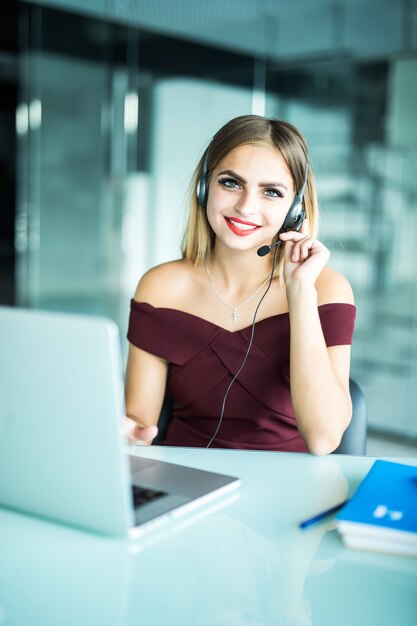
x,y
353,440
355,436
165,418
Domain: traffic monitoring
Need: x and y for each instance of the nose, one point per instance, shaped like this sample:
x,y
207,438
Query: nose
x,y
246,204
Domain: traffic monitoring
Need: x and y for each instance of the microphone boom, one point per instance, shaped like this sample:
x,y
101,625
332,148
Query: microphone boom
x,y
264,250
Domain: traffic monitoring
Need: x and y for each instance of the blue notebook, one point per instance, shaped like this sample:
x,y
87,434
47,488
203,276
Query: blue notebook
x,y
382,514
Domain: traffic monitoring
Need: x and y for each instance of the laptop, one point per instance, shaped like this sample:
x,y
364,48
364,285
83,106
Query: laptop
x,y
62,452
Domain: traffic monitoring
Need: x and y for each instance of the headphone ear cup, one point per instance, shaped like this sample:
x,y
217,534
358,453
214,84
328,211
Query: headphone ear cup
x,y
202,190
202,186
295,215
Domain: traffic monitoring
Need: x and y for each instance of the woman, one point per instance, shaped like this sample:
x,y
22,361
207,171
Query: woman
x,y
194,318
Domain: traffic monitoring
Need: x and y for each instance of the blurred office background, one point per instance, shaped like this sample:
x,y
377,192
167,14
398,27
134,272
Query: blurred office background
x,y
105,106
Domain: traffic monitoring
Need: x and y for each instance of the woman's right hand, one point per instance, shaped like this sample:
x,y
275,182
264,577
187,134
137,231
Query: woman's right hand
x,y
138,435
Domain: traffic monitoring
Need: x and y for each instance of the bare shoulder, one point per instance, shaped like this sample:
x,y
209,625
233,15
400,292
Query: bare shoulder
x,y
165,284
333,287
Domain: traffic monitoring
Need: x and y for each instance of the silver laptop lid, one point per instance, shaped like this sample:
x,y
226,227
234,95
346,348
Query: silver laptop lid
x,y
61,401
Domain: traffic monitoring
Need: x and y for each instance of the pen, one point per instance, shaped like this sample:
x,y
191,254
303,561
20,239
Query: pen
x,y
316,518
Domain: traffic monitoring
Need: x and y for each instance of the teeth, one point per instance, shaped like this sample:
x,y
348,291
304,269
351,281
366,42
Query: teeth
x,y
242,226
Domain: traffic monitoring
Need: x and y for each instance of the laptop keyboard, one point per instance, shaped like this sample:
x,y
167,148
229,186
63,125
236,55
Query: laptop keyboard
x,y
143,495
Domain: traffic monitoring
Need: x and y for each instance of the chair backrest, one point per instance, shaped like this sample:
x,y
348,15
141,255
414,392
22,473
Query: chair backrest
x,y
353,440
355,435
165,418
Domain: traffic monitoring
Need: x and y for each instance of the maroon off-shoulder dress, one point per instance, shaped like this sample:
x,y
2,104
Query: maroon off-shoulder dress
x,y
204,358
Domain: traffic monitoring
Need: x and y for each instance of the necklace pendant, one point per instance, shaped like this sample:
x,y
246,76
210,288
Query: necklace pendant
x,y
235,314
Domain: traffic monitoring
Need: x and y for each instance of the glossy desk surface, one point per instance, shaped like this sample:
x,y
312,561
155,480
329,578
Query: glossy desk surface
x,y
246,563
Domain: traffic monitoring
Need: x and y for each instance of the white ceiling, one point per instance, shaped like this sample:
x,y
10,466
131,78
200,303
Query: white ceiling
x,y
282,30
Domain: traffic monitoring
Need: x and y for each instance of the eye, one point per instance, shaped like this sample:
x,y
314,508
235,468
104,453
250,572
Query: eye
x,y
274,193
229,183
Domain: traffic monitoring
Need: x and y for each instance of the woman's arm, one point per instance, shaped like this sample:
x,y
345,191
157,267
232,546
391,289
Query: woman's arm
x,y
319,375
145,383
146,375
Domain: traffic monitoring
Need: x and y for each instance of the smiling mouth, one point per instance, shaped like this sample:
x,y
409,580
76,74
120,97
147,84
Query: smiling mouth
x,y
241,228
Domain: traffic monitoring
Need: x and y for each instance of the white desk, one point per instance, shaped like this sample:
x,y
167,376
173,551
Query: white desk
x,y
247,563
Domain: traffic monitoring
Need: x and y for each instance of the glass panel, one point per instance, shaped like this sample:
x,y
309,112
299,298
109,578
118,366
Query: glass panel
x,y
77,124
355,118
8,99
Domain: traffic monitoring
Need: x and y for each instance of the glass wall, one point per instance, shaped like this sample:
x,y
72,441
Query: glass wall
x,y
76,123
359,122
110,121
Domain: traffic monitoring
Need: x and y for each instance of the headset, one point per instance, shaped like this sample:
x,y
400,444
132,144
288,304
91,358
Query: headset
x,y
202,185
293,220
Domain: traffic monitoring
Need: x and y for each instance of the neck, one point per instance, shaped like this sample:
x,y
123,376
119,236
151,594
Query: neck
x,y
239,269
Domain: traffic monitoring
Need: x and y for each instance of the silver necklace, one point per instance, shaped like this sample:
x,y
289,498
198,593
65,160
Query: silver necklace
x,y
234,307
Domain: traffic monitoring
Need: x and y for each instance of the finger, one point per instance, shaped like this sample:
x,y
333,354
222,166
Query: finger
x,y
137,434
305,248
147,434
308,249
288,251
305,227
292,235
301,250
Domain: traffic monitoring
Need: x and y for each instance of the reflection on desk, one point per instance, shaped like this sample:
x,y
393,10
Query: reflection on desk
x,y
246,563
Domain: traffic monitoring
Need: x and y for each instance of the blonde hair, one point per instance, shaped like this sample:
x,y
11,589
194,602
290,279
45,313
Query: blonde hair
x,y
199,237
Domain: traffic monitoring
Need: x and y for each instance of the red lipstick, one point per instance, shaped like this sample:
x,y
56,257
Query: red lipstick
x,y
240,227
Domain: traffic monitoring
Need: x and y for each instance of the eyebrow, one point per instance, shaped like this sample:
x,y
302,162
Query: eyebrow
x,y
242,180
